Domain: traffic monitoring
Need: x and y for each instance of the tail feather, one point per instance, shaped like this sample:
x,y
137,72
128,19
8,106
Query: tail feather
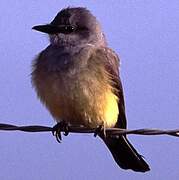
x,y
125,154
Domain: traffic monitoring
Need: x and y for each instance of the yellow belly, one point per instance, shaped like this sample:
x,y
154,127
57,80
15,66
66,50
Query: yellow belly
x,y
111,110
82,104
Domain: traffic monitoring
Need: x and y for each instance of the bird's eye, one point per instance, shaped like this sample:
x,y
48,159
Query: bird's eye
x,y
69,29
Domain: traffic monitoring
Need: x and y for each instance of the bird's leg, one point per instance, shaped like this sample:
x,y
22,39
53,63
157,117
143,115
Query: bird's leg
x,y
100,130
58,128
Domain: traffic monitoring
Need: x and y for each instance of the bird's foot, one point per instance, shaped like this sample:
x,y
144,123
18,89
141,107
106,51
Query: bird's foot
x,y
58,128
100,130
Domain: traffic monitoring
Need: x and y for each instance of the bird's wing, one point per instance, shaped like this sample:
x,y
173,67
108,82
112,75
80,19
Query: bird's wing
x,y
112,63
125,155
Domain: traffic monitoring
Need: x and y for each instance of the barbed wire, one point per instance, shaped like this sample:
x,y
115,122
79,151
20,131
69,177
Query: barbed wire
x,y
82,129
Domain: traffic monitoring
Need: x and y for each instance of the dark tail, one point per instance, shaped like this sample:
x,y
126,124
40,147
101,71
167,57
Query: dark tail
x,y
125,155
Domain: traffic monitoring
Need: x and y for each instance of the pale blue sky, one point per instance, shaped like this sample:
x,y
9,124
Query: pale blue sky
x,y
145,34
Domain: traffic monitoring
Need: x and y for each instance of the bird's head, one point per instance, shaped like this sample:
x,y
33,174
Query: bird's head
x,y
73,27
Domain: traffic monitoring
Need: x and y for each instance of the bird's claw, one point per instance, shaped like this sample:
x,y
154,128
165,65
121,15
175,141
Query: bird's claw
x,y
100,130
58,128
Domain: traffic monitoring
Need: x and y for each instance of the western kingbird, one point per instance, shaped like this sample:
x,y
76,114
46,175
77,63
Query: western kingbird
x,y
77,78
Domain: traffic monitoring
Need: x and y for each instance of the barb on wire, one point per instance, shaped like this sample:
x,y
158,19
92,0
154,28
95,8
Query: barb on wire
x,y
82,129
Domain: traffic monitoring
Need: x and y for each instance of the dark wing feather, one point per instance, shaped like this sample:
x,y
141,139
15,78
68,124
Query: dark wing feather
x,y
125,155
112,63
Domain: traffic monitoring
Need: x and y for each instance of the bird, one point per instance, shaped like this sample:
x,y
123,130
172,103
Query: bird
x,y
77,78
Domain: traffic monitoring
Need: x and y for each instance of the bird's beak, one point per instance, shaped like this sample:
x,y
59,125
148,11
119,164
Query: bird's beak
x,y
53,29
48,28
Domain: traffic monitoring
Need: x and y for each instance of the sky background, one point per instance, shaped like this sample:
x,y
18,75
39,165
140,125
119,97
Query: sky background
x,y
145,34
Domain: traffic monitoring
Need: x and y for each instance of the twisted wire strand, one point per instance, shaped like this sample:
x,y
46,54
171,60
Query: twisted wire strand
x,y
82,129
